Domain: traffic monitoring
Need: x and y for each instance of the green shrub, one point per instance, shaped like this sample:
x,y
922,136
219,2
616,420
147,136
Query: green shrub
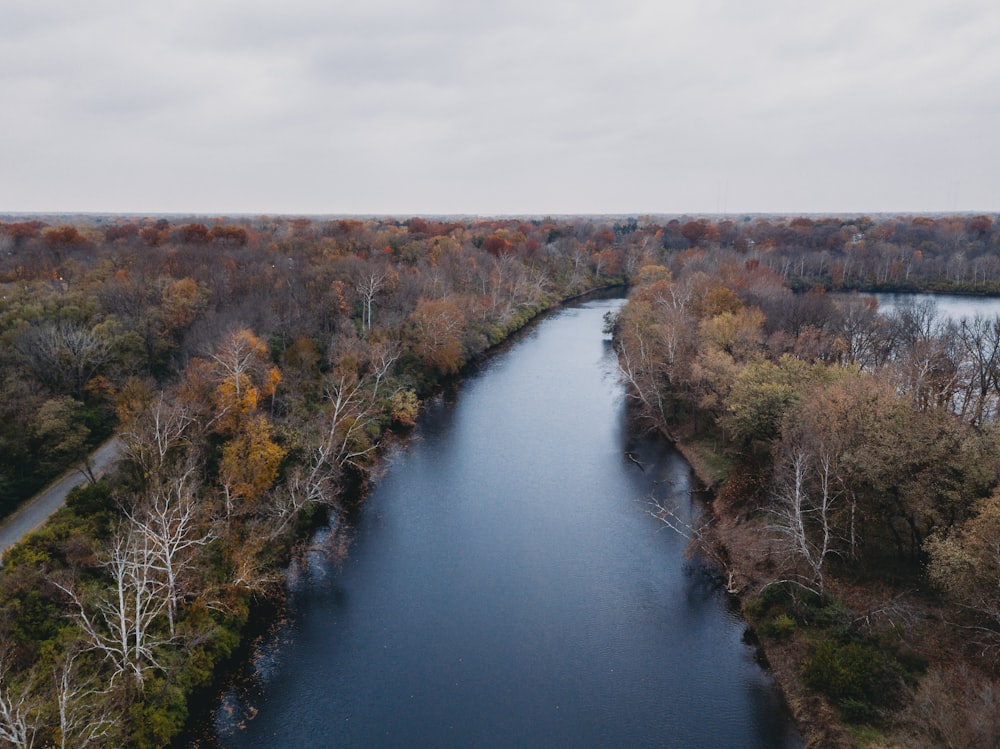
x,y
779,627
154,723
785,597
856,676
88,499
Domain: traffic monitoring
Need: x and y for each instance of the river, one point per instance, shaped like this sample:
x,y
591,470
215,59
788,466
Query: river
x,y
505,586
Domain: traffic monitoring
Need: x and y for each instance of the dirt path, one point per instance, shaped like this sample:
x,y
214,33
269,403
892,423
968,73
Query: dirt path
x,y
37,509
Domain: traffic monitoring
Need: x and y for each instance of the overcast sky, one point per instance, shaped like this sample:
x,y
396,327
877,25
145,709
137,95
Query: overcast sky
x,y
499,106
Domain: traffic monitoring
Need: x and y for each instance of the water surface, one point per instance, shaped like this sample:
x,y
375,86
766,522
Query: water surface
x,y
947,306
506,586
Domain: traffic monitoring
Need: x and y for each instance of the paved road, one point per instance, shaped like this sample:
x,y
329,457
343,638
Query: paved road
x,y
37,510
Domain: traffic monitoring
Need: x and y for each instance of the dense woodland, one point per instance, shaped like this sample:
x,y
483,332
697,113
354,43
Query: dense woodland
x,y
252,367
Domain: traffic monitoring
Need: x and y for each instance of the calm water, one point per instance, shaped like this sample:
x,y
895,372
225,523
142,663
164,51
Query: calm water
x,y
506,587
953,306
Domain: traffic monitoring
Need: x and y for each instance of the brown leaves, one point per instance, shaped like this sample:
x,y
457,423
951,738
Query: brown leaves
x,y
438,326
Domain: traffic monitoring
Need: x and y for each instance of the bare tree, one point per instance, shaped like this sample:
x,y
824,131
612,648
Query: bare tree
x,y
64,354
339,439
502,282
979,340
644,371
120,622
368,287
384,356
151,434
954,706
84,718
170,525
18,712
240,359
350,412
861,332
804,501
699,535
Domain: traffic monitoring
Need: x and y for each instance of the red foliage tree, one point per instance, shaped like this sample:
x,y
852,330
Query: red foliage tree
x,y
64,236
693,231
231,236
498,245
194,234
121,233
22,231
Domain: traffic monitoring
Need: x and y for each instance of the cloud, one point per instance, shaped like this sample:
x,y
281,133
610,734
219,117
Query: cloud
x,y
507,106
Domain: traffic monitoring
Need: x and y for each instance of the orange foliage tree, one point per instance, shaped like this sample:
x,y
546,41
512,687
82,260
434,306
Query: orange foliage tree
x,y
437,327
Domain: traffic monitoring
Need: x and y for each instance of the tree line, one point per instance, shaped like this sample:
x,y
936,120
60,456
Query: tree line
x,y
889,253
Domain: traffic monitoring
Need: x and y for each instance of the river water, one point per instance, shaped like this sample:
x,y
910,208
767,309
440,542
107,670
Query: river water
x,y
505,586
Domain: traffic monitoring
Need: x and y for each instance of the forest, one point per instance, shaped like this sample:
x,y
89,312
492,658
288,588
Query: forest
x,y
252,367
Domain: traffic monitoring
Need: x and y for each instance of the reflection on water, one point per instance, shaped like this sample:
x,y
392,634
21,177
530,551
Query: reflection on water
x,y
947,306
506,585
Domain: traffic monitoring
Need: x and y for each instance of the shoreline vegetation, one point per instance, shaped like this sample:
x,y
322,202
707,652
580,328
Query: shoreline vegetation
x,y
253,368
853,464
817,722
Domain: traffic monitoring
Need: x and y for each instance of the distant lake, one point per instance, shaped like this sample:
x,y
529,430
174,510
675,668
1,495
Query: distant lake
x,y
953,306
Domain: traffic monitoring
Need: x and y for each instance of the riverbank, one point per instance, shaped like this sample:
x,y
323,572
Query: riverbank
x,y
732,542
843,498
737,540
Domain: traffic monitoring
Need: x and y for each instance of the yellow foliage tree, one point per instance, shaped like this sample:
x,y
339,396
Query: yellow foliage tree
x,y
244,376
250,463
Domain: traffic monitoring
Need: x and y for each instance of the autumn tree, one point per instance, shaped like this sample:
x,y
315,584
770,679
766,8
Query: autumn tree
x,y
124,233
182,300
250,462
764,392
229,236
61,434
63,236
194,234
693,231
965,564
244,375
437,328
